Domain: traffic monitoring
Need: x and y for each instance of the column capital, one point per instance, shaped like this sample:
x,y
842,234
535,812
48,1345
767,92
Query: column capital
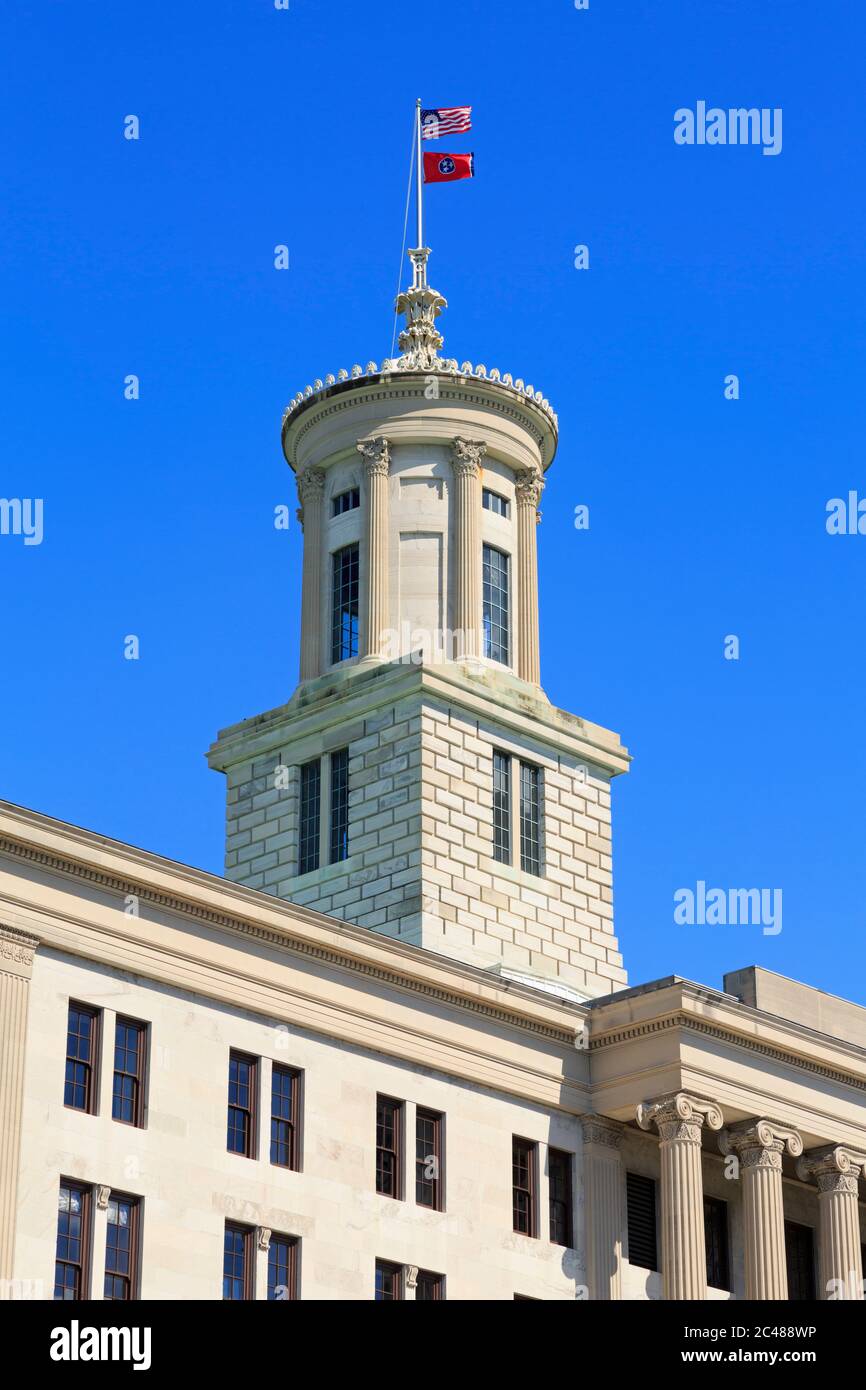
x,y
601,1132
17,949
466,456
679,1116
311,485
376,454
760,1143
528,487
834,1168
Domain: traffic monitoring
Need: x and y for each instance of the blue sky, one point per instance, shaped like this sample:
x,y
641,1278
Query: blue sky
x,y
707,516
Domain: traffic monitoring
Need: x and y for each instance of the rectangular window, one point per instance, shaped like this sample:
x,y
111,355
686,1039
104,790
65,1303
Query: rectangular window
x,y
285,1092
127,1099
428,1159
389,1282
339,827
71,1265
82,1037
282,1268
238,1256
494,574
389,1126
523,1156
559,1177
310,810
430,1286
716,1234
493,502
346,501
641,1203
121,1248
800,1262
530,818
243,1076
501,807
344,588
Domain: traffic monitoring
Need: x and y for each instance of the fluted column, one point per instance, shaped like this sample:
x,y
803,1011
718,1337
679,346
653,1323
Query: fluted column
x,y
528,492
377,462
759,1145
603,1206
311,486
679,1120
466,456
837,1173
16,966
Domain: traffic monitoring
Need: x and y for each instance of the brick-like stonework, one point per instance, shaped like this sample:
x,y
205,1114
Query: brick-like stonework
x,y
421,863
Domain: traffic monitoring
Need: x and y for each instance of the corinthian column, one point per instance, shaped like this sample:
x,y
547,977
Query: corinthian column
x,y
679,1120
837,1172
759,1145
466,456
311,485
603,1189
377,462
16,966
528,490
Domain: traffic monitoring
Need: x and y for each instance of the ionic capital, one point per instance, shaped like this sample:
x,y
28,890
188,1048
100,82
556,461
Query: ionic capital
x,y
466,456
528,487
679,1116
311,485
760,1143
834,1168
376,454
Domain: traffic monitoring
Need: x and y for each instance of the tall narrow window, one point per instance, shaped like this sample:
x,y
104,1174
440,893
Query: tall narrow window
x,y
344,622
389,1282
523,1156
82,1035
530,818
285,1089
308,838
238,1262
430,1286
559,1176
121,1248
127,1100
800,1262
73,1242
428,1159
339,827
716,1235
243,1072
494,573
641,1204
282,1268
389,1125
501,807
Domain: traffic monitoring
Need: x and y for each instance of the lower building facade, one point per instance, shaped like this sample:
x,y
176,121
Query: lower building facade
x,y
207,1092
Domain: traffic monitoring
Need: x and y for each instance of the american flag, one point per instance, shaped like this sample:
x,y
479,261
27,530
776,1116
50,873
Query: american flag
x,y
445,120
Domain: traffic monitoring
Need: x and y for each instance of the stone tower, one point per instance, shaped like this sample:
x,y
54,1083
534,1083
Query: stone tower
x,y
419,782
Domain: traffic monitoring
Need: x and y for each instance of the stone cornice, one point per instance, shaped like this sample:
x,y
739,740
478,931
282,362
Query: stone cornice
x,y
513,705
256,916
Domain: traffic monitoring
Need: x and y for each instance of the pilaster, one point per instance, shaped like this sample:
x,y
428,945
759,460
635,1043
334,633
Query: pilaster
x,y
377,462
529,485
17,949
603,1192
466,456
311,486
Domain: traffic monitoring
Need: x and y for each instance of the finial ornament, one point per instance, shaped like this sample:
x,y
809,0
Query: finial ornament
x,y
420,340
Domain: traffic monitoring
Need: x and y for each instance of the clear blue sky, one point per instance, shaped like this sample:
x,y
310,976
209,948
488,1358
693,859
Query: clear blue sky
x,y
261,127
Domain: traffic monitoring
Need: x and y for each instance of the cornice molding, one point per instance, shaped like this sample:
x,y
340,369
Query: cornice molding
x,y
633,1032
286,941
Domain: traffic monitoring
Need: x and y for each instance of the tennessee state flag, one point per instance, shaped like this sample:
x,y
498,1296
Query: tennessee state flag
x,y
448,168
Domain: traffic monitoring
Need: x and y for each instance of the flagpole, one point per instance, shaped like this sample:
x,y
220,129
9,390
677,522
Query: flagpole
x,y
420,197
